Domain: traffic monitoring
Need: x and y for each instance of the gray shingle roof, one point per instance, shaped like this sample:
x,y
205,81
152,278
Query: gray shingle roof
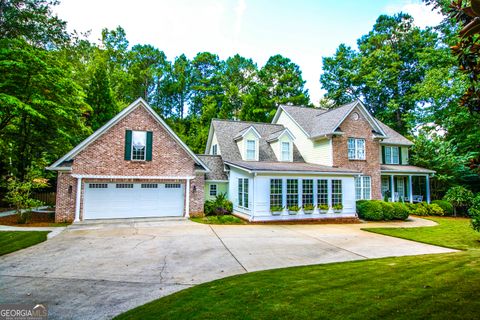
x,y
393,136
289,167
403,168
215,164
227,130
319,122
274,136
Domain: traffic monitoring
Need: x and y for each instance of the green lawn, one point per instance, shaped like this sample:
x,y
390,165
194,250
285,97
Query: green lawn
x,y
450,232
227,219
443,286
11,241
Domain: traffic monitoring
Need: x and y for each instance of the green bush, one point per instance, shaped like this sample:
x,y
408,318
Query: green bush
x,y
460,197
370,210
420,210
474,212
445,205
388,210
435,210
401,211
218,207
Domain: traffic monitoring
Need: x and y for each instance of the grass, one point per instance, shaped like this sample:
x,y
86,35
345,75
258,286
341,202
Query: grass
x,y
11,241
453,233
442,286
226,219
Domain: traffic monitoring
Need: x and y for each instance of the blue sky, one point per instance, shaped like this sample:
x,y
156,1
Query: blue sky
x,y
302,30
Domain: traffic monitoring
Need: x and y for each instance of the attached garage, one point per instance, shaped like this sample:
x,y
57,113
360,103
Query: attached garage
x,y
133,200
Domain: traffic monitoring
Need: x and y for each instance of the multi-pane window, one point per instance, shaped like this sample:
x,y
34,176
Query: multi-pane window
x,y
336,192
214,149
285,151
292,192
213,190
363,188
392,155
98,185
124,185
307,192
251,146
172,186
276,191
322,191
139,145
149,186
243,192
356,149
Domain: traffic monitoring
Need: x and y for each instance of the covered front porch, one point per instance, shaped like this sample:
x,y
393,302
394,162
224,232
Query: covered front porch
x,y
402,183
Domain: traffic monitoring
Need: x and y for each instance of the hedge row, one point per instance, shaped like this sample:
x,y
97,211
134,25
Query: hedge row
x,y
376,210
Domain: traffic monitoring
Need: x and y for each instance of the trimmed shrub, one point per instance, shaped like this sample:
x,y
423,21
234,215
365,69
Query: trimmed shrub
x,y
401,211
445,205
370,210
474,212
218,207
420,210
435,210
388,210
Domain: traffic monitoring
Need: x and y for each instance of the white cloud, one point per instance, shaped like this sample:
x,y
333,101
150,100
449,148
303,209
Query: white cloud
x,y
422,14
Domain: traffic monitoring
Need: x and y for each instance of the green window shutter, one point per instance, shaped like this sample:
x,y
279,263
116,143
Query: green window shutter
x,y
149,146
400,155
383,154
128,145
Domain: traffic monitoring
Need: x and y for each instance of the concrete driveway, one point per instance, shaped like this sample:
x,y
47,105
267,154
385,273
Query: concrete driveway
x,y
97,271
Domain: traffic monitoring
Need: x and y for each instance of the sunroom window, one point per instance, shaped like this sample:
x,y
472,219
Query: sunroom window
x,y
139,145
336,192
276,193
292,192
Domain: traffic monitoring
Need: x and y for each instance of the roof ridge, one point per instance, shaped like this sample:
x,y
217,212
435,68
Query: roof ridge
x,y
327,111
248,122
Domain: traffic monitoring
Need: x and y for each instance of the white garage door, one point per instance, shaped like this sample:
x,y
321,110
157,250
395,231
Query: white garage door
x,y
133,200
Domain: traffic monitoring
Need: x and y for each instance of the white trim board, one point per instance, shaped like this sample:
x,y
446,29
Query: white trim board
x,y
91,176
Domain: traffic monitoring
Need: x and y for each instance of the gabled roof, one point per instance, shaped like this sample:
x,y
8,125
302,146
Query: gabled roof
x,y
276,135
242,133
318,123
227,130
137,103
216,166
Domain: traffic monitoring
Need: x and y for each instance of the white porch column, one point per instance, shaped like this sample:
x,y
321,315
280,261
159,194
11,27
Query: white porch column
x,y
410,189
187,199
78,199
392,188
300,192
427,187
315,193
329,190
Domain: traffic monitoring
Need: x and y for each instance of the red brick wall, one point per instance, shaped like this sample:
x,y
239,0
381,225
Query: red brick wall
x,y
105,156
371,165
65,202
197,196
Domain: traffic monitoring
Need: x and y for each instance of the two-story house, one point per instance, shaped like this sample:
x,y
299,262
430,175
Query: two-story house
x,y
311,157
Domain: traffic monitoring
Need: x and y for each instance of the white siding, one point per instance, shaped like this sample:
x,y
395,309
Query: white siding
x,y
261,205
277,147
319,152
215,142
242,147
233,190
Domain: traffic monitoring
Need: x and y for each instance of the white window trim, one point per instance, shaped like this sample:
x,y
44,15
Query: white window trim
x,y
362,188
145,152
290,151
356,149
255,155
210,190
244,193
391,158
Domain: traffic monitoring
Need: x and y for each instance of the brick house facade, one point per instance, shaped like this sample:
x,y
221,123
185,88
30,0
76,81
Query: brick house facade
x,y
102,160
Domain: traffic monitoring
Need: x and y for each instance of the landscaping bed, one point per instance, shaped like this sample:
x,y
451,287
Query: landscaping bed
x,y
37,219
225,219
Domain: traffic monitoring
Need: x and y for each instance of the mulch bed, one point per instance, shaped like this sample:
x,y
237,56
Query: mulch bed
x,y
38,219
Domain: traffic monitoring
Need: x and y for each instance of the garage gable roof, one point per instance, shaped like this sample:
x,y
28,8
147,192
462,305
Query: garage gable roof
x,y
125,112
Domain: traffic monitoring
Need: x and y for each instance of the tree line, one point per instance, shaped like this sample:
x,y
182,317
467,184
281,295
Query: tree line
x,y
56,88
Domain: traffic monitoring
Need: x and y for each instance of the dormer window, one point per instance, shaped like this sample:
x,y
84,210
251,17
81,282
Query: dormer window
x,y
286,151
251,149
